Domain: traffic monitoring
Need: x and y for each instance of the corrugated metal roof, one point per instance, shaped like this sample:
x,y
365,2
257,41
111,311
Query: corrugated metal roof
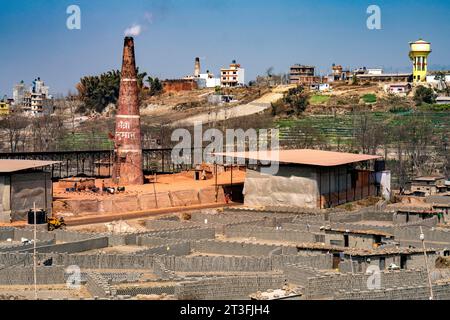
x,y
7,166
303,156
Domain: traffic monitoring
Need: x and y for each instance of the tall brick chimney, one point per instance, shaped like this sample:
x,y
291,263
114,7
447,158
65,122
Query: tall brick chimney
x,y
127,169
197,67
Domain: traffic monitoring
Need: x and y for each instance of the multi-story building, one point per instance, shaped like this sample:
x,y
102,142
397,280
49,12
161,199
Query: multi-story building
x,y
338,73
233,76
4,107
19,93
36,101
304,75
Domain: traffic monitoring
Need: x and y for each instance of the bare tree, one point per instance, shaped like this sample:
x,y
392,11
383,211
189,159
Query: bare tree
x,y
47,132
15,126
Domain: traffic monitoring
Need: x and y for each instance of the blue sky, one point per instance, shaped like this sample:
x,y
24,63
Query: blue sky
x,y
259,34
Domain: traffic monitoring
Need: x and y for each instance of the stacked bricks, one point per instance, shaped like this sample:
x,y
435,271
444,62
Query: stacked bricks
x,y
299,274
161,270
267,233
314,260
154,290
98,286
242,264
327,284
189,233
217,264
19,247
150,241
227,288
24,275
175,248
440,292
235,248
73,247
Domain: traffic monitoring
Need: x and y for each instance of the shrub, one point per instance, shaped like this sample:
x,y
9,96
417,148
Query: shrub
x,y
424,95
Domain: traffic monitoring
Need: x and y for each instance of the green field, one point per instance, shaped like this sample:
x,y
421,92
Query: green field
x,y
318,99
86,141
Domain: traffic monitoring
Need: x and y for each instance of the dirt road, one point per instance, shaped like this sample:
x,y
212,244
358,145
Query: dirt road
x,y
253,107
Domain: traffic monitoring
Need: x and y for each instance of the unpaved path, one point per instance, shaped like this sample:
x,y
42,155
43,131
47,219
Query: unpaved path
x,y
253,107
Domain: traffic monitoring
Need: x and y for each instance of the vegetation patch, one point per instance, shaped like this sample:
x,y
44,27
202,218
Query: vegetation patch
x,y
293,103
318,99
435,107
369,98
424,95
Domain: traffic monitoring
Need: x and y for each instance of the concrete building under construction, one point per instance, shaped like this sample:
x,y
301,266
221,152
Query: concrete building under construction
x,y
127,168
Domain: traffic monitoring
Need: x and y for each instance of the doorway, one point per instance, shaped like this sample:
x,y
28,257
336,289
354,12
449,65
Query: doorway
x,y
346,241
382,263
336,260
403,259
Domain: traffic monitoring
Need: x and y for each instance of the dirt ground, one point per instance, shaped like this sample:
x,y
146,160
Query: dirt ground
x,y
164,183
57,292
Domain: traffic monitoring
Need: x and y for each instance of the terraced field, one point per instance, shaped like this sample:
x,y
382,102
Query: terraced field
x,y
86,141
341,128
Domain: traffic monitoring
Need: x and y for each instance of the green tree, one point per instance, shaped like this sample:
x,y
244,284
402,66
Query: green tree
x,y
97,92
424,95
155,85
297,100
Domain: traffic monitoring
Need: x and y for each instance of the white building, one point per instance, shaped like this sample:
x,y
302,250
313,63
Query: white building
x,y
320,87
233,76
211,81
375,71
401,89
443,100
432,79
19,93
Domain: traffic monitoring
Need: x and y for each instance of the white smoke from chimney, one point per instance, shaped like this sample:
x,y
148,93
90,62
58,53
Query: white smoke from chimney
x,y
133,31
148,17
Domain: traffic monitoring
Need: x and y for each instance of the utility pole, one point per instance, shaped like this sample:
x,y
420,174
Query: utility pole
x,y
422,238
34,253
351,264
215,178
231,192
